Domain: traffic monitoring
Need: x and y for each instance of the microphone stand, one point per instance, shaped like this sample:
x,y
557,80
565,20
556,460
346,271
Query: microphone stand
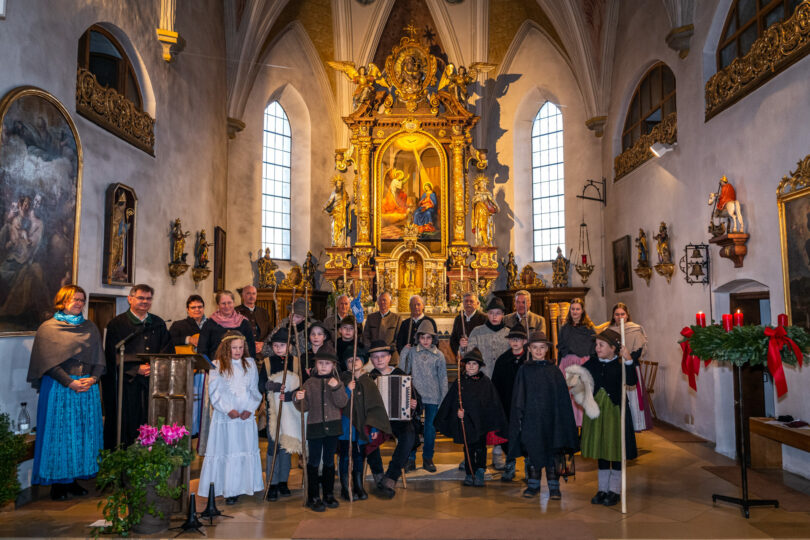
x,y
121,345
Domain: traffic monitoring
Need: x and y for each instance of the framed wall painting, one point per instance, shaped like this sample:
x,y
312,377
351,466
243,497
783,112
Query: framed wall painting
x,y
793,199
219,259
119,235
40,205
622,271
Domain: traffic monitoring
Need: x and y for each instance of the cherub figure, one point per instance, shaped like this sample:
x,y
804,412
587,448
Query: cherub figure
x,y
364,77
456,81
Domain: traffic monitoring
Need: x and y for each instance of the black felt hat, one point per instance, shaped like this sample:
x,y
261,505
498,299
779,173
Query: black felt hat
x,y
280,336
348,354
611,337
318,324
379,345
539,337
474,356
517,332
496,303
325,355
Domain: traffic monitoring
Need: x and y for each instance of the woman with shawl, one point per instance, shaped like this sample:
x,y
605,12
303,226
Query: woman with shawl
x,y
66,363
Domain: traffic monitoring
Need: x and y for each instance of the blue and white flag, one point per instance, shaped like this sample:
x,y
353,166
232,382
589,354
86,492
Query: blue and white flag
x,y
357,309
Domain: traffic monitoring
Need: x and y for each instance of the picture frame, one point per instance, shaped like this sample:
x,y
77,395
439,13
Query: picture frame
x,y
793,200
40,206
622,265
119,235
219,258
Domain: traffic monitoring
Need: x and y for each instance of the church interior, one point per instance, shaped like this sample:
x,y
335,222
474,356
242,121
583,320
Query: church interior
x,y
645,152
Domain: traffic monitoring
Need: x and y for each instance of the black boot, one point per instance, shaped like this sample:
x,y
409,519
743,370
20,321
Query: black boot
x,y
59,492
272,493
328,486
75,489
534,474
283,490
357,486
344,488
314,501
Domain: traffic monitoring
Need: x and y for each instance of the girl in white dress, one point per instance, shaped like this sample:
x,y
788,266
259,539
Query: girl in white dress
x,y
232,460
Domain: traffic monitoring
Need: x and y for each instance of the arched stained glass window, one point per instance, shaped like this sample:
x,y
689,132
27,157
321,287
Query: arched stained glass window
x,y
548,183
276,182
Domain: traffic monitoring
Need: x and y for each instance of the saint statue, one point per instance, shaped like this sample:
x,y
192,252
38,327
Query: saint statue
x,y
560,267
434,289
178,242
484,210
643,250
386,281
202,250
308,270
664,254
426,213
511,271
267,270
120,222
338,208
410,272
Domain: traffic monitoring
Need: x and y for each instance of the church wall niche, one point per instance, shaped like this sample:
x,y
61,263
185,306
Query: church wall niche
x,y
186,176
754,142
535,74
288,75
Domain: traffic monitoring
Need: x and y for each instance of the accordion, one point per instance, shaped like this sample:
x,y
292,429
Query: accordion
x,y
396,395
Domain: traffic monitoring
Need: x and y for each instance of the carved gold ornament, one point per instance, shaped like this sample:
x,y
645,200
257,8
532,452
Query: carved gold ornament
x,y
798,179
780,46
114,112
411,69
665,132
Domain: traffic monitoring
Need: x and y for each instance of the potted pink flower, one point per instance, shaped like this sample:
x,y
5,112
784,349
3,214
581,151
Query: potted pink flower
x,y
144,480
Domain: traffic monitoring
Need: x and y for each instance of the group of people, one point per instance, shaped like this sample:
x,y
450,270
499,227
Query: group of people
x,y
313,386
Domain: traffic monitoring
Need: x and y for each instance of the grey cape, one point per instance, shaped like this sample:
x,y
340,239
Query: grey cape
x,y
57,341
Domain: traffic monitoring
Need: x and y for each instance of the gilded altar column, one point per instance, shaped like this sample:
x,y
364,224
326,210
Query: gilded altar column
x,y
458,145
363,250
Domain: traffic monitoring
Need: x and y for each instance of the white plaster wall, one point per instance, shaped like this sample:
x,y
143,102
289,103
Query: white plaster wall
x,y
313,142
185,178
754,143
538,73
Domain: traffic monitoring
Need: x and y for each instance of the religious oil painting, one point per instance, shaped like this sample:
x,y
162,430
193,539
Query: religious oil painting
x,y
411,191
622,271
40,187
794,226
119,236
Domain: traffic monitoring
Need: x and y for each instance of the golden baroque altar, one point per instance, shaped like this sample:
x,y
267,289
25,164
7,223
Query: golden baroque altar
x,y
411,156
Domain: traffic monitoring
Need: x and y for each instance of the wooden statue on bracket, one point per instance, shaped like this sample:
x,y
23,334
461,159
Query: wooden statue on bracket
x,y
731,236
119,252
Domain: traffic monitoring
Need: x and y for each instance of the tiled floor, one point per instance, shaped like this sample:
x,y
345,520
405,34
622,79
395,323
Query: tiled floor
x,y
669,496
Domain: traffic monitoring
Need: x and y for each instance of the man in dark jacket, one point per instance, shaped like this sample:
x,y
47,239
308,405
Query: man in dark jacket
x,y
465,321
406,337
147,333
257,316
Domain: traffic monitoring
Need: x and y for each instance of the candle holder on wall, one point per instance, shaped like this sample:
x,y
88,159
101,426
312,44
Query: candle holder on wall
x,y
695,264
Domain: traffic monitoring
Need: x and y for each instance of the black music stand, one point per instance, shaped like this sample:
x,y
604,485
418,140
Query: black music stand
x,y
743,501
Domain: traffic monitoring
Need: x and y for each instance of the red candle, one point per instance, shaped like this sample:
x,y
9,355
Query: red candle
x,y
584,259
782,318
700,319
727,322
738,318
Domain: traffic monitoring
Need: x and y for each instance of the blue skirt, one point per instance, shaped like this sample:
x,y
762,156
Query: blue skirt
x,y
69,433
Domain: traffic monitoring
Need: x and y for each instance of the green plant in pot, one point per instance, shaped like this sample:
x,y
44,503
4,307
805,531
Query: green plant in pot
x,y
144,479
12,450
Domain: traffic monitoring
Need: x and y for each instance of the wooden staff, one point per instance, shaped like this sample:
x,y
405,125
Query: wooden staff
x,y
624,412
460,403
281,400
351,410
300,381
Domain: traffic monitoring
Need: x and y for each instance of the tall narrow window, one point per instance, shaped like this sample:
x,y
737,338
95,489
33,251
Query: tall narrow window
x,y
548,176
276,182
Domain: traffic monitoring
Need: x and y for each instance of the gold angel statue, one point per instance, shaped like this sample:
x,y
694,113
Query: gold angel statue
x,y
456,80
338,208
364,77
484,210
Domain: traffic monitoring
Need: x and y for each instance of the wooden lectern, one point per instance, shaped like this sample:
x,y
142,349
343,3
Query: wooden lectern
x,y
171,395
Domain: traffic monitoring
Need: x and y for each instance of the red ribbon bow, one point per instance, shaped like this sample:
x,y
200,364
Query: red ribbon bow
x,y
690,364
778,339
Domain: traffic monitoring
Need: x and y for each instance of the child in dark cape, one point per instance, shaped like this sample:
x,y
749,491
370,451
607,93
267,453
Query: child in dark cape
x,y
480,410
541,423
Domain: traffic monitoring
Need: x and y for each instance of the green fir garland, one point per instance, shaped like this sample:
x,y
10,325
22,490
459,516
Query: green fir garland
x,y
744,344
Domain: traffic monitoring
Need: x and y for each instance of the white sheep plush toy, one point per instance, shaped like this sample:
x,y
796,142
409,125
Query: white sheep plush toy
x,y
580,383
